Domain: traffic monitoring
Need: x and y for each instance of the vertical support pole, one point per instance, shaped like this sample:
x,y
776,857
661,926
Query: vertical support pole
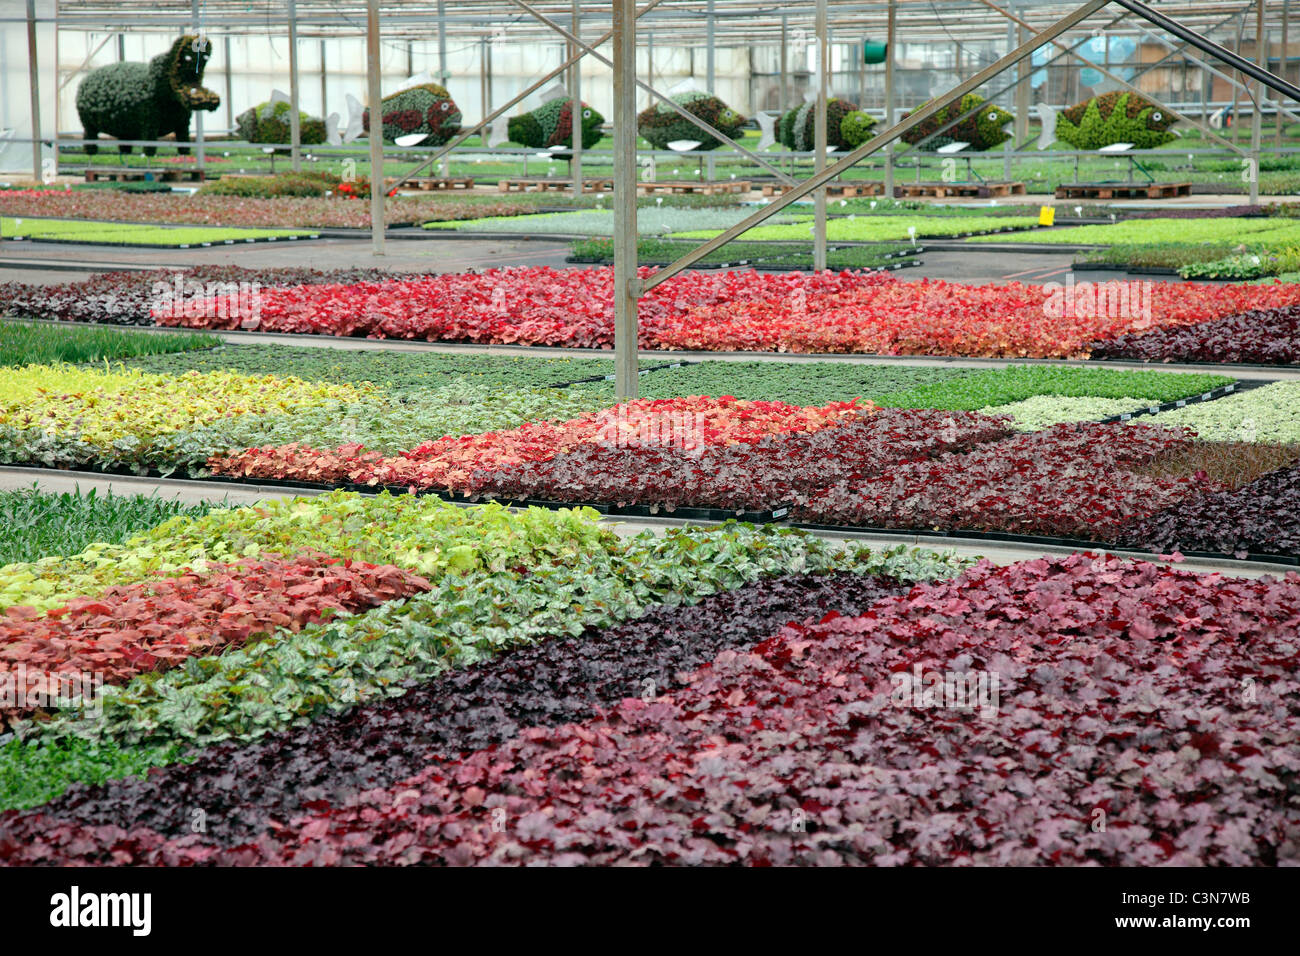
x,y
626,281
121,47
324,108
1257,113
230,100
295,122
859,66
442,42
410,58
575,88
1241,28
195,12
709,62
1023,94
1281,70
819,140
376,102
483,85
785,63
33,82
891,23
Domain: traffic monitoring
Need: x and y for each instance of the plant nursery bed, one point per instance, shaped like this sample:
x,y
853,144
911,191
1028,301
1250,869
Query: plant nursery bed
x,y
1122,190
1122,267
942,190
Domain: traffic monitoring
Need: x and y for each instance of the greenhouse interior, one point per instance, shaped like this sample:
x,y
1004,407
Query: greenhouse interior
x,y
675,433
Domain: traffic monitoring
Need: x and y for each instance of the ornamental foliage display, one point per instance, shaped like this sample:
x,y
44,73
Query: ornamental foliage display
x,y
856,127
660,124
269,123
798,130
1116,117
982,129
427,108
134,100
551,124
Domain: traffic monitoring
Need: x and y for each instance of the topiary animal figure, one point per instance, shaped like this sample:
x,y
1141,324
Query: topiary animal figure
x,y
269,123
1116,117
856,128
427,108
797,128
551,124
134,100
982,129
660,124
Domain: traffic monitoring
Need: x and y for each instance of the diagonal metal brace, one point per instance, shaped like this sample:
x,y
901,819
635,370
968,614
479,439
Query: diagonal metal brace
x,y
668,100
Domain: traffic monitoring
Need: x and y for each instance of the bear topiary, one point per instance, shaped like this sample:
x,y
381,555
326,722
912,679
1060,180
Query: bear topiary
x,y
660,124
427,109
260,125
856,128
798,126
982,129
134,100
1116,117
551,124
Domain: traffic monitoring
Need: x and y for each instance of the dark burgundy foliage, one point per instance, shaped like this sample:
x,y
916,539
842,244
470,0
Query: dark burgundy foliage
x,y
1262,517
775,470
1225,212
1070,481
1258,337
245,788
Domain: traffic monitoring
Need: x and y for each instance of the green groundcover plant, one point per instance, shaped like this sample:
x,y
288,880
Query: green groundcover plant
x,y
132,234
24,343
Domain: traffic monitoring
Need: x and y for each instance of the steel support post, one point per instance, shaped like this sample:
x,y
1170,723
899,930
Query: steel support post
x,y
295,123
375,97
626,283
575,164
890,29
819,138
34,87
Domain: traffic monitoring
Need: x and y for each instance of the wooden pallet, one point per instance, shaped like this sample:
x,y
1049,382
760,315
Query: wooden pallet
x,y
945,190
1122,190
441,182
553,185
833,190
704,188
122,174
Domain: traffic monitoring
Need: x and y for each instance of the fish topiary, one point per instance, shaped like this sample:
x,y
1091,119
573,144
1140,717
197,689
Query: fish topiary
x,y
260,124
982,129
551,124
1116,117
427,108
660,124
134,100
798,126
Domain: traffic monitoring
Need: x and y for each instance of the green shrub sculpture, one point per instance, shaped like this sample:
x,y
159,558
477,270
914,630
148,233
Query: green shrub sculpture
x,y
551,124
797,127
660,124
260,125
982,129
1117,117
427,109
856,128
134,100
